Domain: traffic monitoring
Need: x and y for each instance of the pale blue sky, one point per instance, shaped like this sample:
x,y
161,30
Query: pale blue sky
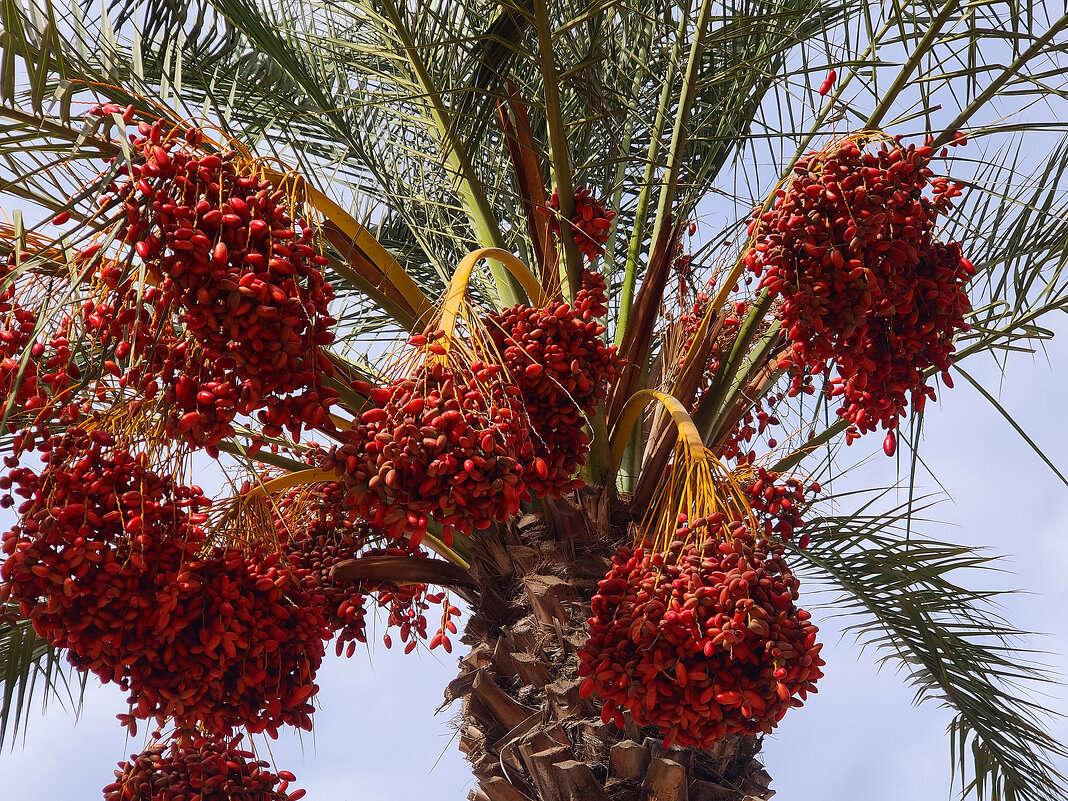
x,y
376,738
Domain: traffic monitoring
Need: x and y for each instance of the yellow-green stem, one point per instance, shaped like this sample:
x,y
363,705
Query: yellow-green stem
x,y
631,413
559,154
472,196
637,236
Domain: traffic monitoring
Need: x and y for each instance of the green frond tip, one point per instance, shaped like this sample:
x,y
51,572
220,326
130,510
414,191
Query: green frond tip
x,y
29,666
950,645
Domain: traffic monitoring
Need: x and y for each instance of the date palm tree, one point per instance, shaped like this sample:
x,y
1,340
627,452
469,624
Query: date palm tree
x,y
423,132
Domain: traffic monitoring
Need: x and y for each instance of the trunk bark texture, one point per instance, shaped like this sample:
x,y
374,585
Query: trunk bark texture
x,y
524,728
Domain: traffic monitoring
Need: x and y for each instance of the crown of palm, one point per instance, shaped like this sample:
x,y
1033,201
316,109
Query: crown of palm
x,y
442,125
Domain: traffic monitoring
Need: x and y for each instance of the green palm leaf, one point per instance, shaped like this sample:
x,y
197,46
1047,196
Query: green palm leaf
x,y
29,666
951,644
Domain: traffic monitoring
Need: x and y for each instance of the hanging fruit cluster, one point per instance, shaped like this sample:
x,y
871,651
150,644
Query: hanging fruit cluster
x,y
557,358
205,769
448,444
849,246
99,544
40,379
702,640
320,542
589,224
105,561
244,277
241,648
778,503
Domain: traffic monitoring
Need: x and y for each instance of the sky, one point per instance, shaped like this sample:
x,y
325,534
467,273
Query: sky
x,y
860,737
376,737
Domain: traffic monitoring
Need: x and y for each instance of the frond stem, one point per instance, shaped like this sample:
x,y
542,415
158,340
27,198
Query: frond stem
x,y
637,236
559,154
474,199
922,49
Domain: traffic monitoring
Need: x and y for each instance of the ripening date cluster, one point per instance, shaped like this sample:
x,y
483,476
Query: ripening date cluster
x,y
778,502
99,541
241,649
446,444
199,769
41,379
107,560
589,224
701,641
849,245
557,357
330,537
244,279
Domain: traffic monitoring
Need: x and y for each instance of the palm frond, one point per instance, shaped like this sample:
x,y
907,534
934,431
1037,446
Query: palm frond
x,y
30,667
201,31
949,642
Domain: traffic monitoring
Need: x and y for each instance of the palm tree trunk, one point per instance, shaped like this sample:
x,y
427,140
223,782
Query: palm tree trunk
x,y
526,731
